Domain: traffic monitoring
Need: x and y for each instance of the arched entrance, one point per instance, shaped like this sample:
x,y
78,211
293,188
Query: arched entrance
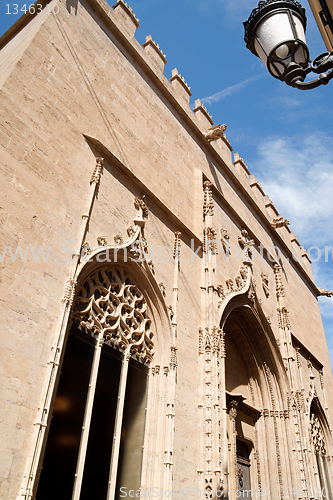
x,y
259,452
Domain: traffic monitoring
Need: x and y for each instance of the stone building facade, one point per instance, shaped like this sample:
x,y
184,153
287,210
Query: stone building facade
x,y
160,324
323,14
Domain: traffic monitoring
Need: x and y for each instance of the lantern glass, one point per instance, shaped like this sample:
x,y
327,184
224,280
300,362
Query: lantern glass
x,y
275,32
271,32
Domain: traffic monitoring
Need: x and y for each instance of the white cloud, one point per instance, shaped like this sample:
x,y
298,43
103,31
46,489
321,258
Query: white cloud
x,y
297,174
228,91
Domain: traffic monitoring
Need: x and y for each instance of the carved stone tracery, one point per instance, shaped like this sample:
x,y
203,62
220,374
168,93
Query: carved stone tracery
x,y
110,303
317,435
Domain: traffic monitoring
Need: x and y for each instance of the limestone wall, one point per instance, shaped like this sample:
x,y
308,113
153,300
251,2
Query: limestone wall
x,y
82,87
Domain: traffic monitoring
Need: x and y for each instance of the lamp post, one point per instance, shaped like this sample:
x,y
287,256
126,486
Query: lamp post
x,y
275,32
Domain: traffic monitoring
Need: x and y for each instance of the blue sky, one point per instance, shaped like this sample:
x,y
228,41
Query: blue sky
x,y
285,135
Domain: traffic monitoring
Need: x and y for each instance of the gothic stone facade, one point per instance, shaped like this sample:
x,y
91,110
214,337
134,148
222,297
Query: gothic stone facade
x,y
169,337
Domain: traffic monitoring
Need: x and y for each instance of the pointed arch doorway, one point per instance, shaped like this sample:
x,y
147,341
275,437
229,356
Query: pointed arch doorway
x,y
256,399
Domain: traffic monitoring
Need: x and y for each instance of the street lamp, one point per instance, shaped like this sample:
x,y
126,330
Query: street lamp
x,y
275,32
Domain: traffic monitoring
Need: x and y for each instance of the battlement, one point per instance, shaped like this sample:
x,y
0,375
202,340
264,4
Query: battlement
x,y
158,59
126,16
181,87
202,114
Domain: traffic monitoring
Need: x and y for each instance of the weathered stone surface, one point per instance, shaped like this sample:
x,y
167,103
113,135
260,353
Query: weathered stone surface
x,y
76,87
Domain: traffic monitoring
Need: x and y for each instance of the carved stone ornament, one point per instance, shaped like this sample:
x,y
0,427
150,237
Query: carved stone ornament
x,y
265,283
201,341
101,241
151,266
176,247
85,249
144,244
325,293
135,252
251,294
220,292
69,292
208,205
96,176
230,285
171,313
140,205
317,435
283,318
130,231
225,240
110,303
245,243
216,132
118,239
240,281
210,240
279,222
278,281
173,360
162,288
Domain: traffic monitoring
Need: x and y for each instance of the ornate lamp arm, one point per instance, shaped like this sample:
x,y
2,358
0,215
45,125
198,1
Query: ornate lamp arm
x,y
322,65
